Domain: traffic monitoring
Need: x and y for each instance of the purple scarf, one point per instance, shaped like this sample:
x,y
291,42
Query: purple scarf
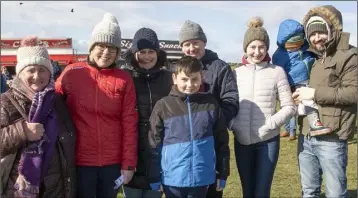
x,y
36,156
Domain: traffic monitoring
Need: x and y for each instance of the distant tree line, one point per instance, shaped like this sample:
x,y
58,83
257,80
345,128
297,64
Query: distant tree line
x,y
232,65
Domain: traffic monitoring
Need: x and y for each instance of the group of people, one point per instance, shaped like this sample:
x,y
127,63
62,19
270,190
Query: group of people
x,y
166,131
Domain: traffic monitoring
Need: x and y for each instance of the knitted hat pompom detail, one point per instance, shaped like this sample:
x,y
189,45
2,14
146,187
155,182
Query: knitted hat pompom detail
x,y
255,22
109,18
29,41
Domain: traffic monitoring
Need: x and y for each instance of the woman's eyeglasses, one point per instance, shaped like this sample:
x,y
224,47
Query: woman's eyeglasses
x,y
102,47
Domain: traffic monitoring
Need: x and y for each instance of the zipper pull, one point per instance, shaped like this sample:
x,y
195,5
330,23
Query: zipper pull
x,y
187,99
324,56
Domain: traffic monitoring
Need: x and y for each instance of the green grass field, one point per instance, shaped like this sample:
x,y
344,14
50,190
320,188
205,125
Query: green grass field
x,y
286,181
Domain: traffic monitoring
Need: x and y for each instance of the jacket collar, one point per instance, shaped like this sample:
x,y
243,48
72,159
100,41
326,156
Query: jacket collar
x,y
144,73
261,65
343,43
193,97
208,58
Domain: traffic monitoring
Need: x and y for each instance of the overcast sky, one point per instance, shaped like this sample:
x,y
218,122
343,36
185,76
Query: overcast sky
x,y
223,22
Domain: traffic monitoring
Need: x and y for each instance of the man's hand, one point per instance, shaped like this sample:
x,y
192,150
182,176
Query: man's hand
x,y
220,184
33,131
303,93
127,175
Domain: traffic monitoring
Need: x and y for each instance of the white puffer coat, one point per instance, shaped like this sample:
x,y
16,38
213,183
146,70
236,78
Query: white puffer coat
x,y
260,87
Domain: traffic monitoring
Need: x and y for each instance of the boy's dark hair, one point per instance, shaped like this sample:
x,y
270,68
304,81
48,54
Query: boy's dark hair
x,y
188,65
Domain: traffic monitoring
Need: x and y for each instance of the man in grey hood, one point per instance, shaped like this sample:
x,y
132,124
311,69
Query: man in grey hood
x,y
333,86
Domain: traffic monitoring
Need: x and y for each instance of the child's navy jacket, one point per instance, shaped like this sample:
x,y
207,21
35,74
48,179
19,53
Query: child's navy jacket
x,y
189,141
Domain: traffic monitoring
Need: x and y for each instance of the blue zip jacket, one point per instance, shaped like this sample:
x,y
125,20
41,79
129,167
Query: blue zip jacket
x,y
297,64
189,141
219,80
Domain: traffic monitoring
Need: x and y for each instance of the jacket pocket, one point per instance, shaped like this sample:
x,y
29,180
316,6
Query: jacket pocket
x,y
214,156
268,122
53,182
331,117
165,160
263,131
333,76
208,77
7,162
231,123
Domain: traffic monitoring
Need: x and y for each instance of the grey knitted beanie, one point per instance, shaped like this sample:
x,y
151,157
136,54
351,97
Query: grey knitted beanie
x,y
191,31
106,31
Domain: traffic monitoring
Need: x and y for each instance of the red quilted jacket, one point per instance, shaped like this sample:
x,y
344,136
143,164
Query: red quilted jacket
x,y
103,107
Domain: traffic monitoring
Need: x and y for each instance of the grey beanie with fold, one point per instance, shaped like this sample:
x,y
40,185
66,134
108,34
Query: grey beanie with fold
x,y
191,31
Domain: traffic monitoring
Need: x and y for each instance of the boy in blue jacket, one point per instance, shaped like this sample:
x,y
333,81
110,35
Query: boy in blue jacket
x,y
188,137
293,56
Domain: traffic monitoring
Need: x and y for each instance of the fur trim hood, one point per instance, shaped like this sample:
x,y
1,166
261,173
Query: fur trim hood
x,y
330,14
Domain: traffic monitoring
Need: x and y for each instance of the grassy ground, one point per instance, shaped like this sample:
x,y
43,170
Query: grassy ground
x,y
286,181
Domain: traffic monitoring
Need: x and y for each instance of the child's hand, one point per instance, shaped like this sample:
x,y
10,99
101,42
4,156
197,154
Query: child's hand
x,y
156,186
220,184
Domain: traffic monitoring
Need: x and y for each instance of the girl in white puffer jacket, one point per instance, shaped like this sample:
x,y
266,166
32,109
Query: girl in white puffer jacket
x,y
257,124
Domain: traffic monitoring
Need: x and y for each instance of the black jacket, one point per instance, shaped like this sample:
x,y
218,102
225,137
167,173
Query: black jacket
x,y
151,85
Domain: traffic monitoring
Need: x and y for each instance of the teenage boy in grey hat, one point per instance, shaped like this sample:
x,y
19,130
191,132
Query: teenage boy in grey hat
x,y
218,78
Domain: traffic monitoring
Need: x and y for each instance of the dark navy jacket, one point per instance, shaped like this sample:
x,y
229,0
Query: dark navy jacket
x,y
297,64
222,84
189,141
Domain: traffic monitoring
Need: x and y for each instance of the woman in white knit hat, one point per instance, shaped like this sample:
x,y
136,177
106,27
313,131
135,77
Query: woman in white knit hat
x,y
37,133
102,101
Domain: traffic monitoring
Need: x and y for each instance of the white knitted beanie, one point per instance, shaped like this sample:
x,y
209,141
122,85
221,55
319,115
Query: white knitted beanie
x,y
106,31
30,53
